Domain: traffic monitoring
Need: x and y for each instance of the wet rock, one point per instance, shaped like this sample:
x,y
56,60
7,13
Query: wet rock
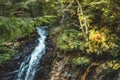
x,y
9,75
7,69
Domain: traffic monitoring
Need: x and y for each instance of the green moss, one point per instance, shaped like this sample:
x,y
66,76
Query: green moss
x,y
6,54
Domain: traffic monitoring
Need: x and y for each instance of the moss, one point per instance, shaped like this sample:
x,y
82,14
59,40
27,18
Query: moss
x,y
6,54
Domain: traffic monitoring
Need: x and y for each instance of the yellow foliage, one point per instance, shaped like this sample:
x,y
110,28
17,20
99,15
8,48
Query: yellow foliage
x,y
97,37
114,64
80,17
98,41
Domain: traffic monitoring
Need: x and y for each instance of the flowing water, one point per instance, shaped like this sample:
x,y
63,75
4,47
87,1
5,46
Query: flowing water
x,y
29,66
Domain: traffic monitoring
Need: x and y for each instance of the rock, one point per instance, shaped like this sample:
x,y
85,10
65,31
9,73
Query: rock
x,y
7,69
9,75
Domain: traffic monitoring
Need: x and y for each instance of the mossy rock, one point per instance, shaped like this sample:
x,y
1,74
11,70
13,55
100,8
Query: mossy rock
x,y
6,54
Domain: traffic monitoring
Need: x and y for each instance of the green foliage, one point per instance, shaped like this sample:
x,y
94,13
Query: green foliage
x,y
98,39
101,41
81,61
6,54
90,27
26,8
13,28
114,64
71,40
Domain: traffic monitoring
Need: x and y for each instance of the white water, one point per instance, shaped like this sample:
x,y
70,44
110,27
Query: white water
x,y
28,68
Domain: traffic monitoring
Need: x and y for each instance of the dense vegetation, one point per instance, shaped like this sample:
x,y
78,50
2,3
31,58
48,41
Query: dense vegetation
x,y
90,29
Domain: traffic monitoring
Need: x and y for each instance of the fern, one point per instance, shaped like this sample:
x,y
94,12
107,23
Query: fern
x,y
13,28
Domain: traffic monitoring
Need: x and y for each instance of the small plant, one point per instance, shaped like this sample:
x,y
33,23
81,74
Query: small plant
x,y
81,61
6,54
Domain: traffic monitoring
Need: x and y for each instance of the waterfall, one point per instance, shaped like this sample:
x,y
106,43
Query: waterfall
x,y
29,66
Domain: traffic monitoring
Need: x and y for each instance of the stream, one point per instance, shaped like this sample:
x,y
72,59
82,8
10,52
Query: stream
x,y
29,66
